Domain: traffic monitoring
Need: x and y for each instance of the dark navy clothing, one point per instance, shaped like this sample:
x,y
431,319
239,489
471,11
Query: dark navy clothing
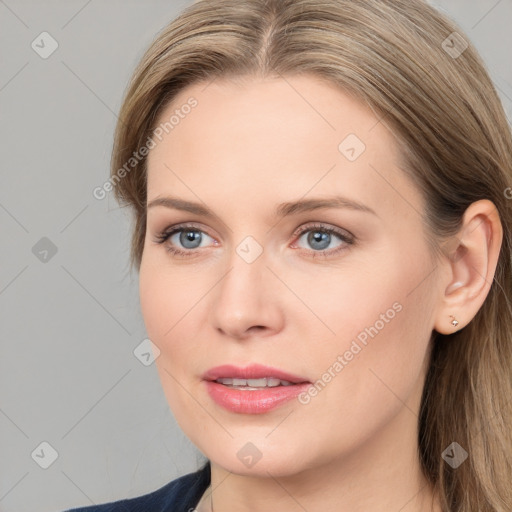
x,y
180,495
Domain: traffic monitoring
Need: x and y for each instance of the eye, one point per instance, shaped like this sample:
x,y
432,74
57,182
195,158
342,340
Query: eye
x,y
326,239
184,239
188,238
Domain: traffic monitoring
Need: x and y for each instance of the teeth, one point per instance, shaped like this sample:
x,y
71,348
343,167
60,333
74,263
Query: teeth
x,y
270,382
257,383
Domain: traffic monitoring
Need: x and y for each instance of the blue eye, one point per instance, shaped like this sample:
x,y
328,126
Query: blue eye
x,y
183,240
189,239
323,239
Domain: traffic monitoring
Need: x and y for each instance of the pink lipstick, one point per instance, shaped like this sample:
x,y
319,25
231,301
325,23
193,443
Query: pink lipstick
x,y
253,389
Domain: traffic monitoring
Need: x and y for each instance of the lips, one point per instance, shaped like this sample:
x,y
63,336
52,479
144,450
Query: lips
x,y
254,389
254,371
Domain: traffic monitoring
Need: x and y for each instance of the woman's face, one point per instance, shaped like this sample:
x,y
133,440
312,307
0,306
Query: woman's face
x,y
302,248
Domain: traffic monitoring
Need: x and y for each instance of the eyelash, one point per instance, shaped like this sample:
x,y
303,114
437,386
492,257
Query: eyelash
x,y
347,238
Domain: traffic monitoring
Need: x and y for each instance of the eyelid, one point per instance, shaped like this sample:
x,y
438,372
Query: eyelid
x,y
342,233
183,226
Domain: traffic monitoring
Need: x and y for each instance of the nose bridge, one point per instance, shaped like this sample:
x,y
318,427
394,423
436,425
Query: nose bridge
x,y
244,297
247,263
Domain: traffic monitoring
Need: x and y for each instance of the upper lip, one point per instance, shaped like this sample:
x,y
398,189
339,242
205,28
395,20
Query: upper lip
x,y
253,371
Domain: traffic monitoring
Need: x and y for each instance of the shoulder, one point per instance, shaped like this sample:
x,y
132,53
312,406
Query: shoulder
x,y
180,495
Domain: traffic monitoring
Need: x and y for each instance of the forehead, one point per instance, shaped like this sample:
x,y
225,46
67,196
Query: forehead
x,y
278,138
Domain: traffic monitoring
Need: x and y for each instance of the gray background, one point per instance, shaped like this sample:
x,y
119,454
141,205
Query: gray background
x,y
70,320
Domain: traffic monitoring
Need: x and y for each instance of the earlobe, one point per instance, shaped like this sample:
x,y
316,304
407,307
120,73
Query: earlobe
x,y
470,265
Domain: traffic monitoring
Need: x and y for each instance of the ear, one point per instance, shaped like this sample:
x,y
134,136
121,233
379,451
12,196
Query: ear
x,y
469,262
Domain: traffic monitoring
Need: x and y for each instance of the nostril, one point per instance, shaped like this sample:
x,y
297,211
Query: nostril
x,y
257,328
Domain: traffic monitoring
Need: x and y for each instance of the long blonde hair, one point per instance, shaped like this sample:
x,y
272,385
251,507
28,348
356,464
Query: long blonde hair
x,y
420,73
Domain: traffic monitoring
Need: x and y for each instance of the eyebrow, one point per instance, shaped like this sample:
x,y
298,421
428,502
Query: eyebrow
x,y
282,210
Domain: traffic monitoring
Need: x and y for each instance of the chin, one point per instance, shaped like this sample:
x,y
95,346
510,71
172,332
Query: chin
x,y
259,458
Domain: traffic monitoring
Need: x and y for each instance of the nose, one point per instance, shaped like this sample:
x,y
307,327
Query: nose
x,y
245,302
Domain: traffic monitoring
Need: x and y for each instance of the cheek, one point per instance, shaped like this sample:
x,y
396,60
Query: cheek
x,y
167,305
383,324
173,304
385,295
167,296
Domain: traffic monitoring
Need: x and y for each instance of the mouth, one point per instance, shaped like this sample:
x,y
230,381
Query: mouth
x,y
253,384
254,389
255,376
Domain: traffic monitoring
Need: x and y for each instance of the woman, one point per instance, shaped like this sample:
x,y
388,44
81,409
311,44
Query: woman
x,y
322,232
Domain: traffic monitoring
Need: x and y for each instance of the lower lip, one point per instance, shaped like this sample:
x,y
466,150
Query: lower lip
x,y
253,401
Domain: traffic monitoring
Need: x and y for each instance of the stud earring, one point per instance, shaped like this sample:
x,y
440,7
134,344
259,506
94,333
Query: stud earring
x,y
454,321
